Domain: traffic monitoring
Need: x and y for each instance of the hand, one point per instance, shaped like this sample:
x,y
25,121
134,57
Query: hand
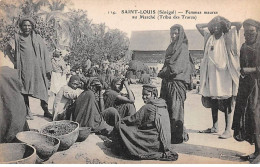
x,y
162,72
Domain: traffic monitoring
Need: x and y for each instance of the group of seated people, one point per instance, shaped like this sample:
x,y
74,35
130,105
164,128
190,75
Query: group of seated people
x,y
143,134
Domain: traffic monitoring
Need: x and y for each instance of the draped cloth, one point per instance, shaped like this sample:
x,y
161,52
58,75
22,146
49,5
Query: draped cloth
x,y
124,109
176,73
33,62
12,105
176,95
246,119
87,112
223,69
146,134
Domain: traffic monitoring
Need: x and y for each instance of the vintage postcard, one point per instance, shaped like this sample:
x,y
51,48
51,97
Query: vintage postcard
x,y
77,59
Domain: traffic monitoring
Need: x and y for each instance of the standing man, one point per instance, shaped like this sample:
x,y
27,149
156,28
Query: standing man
x,y
246,116
33,61
219,75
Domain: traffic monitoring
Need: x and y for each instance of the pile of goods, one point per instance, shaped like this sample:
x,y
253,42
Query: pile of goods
x,y
59,129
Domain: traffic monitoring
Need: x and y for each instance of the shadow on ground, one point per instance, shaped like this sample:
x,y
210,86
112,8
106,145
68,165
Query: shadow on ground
x,y
206,151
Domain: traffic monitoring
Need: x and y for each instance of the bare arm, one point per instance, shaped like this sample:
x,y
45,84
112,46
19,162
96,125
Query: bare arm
x,y
130,94
200,28
248,70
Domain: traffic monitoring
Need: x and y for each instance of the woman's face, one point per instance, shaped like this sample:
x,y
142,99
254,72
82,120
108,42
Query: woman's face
x,y
217,29
250,34
146,95
118,86
26,27
74,84
174,35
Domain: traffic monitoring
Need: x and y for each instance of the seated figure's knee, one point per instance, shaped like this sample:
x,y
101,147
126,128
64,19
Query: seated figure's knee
x,y
111,116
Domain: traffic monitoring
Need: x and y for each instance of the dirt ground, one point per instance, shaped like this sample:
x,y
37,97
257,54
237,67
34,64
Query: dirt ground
x,y
200,149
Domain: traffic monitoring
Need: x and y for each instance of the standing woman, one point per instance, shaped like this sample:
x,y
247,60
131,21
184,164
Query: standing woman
x,y
175,76
219,75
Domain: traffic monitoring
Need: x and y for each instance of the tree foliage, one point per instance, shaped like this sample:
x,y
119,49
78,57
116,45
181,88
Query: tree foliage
x,y
71,30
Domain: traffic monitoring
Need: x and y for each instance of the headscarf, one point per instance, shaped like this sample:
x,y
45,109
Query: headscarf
x,y
252,23
225,24
151,88
27,18
114,81
175,52
74,78
91,81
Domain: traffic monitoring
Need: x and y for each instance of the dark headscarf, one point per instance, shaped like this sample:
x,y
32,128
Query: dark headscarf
x,y
114,81
74,78
151,88
225,24
252,23
91,81
175,52
26,18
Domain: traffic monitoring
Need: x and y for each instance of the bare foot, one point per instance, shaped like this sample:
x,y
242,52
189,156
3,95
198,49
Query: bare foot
x,y
227,134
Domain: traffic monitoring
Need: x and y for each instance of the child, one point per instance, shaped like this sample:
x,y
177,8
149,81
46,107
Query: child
x,y
65,97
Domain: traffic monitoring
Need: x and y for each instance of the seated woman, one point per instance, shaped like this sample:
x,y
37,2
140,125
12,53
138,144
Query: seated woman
x,y
65,98
12,105
114,98
146,134
89,106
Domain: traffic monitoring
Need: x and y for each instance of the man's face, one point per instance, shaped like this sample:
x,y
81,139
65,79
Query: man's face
x,y
26,27
74,84
174,35
146,95
250,34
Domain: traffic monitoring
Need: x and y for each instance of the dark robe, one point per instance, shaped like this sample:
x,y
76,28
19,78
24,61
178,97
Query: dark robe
x,y
246,115
124,109
12,106
146,134
33,61
175,76
87,112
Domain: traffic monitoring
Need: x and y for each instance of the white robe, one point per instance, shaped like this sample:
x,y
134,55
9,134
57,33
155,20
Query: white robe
x,y
220,66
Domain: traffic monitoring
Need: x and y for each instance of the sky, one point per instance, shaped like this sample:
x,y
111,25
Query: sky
x,y
100,12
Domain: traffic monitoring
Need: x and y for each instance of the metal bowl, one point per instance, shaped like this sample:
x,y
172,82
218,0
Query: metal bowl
x,y
45,145
17,153
84,132
66,131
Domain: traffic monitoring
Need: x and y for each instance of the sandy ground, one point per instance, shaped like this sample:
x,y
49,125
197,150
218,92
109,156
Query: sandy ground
x,y
200,149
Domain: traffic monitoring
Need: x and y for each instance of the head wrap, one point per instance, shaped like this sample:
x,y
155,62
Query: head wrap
x,y
26,18
252,23
91,81
225,24
172,54
114,81
151,88
74,78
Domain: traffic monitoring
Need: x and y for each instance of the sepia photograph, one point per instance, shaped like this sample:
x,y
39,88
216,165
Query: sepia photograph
x,y
130,82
